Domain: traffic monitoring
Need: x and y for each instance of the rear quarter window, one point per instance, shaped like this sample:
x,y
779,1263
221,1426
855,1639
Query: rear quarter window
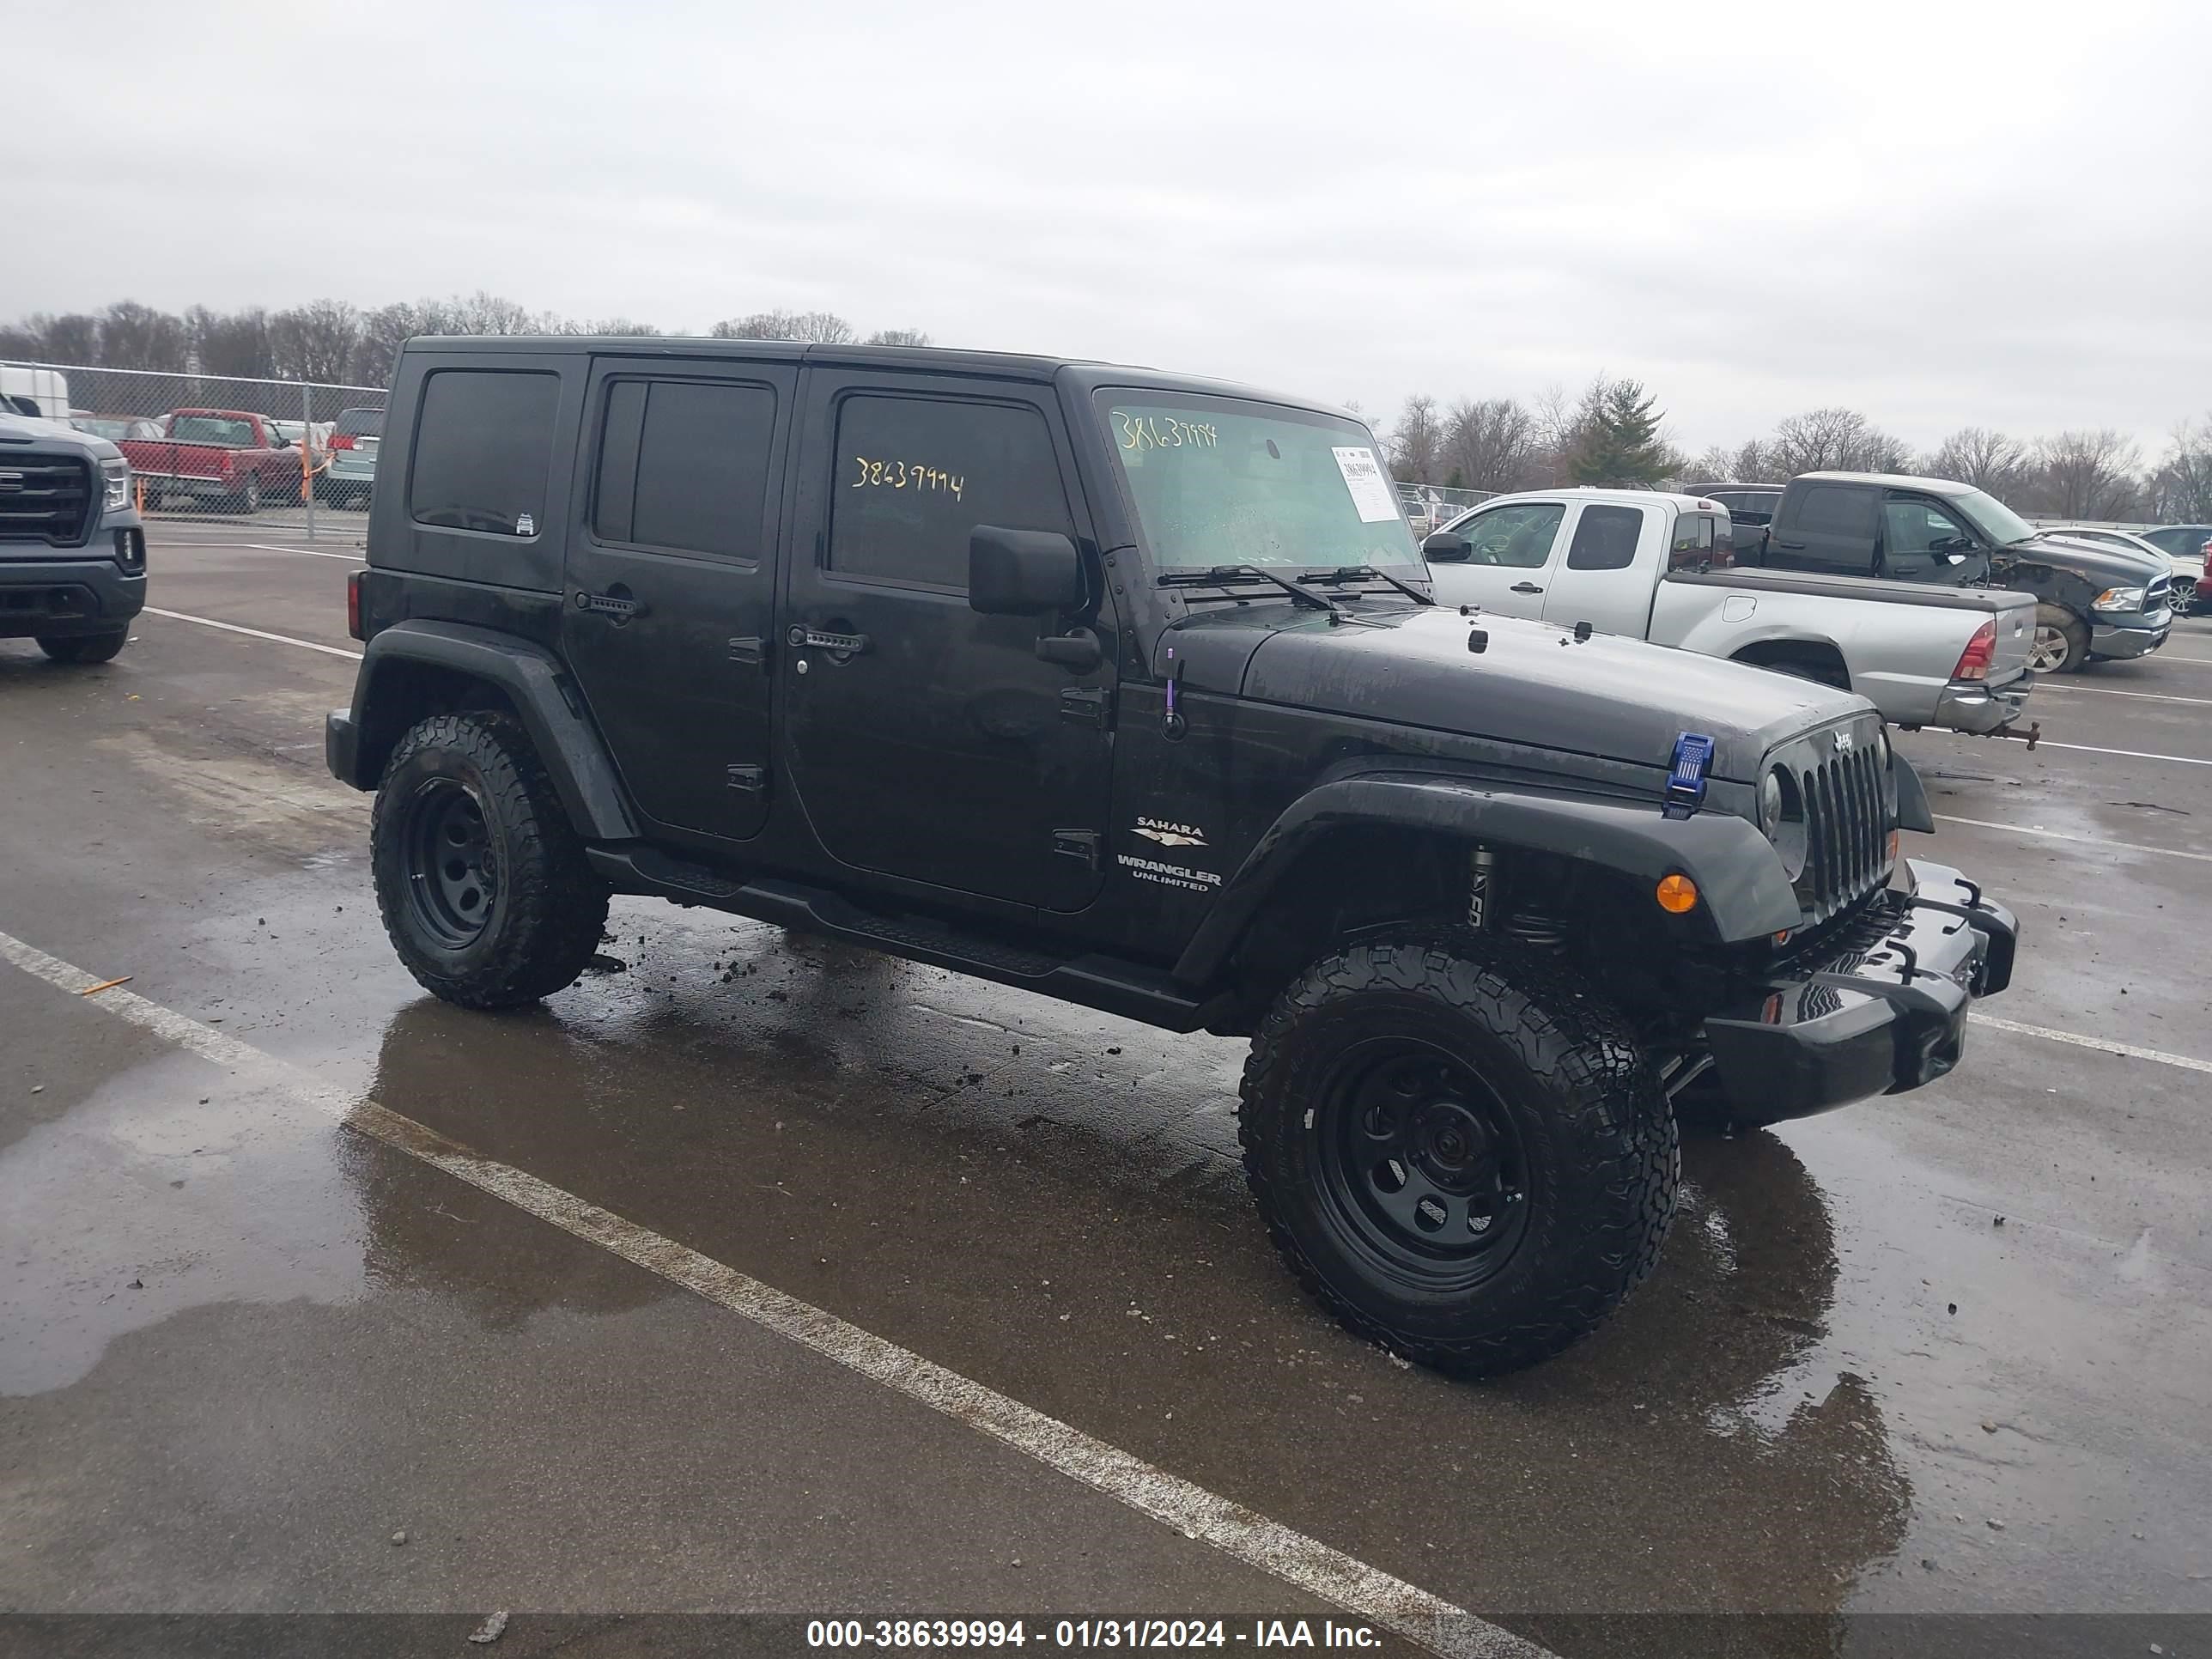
x,y
484,448
1605,538
1836,510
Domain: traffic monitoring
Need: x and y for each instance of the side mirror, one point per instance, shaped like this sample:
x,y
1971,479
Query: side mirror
x,y
1447,547
1022,573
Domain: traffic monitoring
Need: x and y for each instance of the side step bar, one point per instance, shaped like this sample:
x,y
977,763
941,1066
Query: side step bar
x,y
1095,982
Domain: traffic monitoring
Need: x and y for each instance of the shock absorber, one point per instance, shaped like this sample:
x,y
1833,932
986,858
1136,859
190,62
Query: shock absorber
x,y
1482,866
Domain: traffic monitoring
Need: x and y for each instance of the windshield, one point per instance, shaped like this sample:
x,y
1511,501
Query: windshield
x,y
1992,517
1217,482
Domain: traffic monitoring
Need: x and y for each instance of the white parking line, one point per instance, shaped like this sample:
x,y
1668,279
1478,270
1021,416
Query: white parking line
x,y
262,547
2187,1062
1302,1562
2108,691
253,632
2086,841
2131,754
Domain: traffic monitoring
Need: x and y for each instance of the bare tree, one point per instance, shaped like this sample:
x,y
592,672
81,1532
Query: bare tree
x,y
316,341
1416,442
483,312
2180,491
1715,465
1835,440
898,336
818,327
1489,445
1975,455
2085,474
133,335
234,342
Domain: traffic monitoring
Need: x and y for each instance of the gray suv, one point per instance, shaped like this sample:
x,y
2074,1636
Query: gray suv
x,y
72,547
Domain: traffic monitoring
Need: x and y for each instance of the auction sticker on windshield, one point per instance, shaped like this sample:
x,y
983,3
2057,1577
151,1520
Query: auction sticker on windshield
x,y
1370,490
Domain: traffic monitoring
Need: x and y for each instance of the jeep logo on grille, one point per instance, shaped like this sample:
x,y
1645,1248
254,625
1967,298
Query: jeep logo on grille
x,y
1843,743
10,483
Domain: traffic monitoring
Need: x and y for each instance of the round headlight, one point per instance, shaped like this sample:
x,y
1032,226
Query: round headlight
x,y
1770,804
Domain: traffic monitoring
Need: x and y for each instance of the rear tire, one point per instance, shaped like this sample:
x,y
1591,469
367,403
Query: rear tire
x,y
1457,1149
2061,643
83,647
482,882
247,500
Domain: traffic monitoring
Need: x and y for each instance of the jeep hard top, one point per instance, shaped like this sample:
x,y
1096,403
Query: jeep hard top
x,y
1128,689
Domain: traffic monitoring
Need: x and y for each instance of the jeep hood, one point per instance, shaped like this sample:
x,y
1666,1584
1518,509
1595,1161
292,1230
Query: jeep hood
x,y
1617,699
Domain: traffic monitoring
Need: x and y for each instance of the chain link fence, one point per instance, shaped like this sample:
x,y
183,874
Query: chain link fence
x,y
289,454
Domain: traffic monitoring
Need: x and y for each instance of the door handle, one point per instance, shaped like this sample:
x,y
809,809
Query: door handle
x,y
609,605
1524,588
1793,547
850,645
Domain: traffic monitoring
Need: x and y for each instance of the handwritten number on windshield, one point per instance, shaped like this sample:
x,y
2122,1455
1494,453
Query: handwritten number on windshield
x,y
1156,431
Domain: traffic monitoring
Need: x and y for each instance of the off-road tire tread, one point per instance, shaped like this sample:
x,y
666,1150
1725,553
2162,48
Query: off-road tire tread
x,y
1570,1039
557,904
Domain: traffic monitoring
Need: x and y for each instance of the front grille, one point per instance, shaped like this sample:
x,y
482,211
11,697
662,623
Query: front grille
x,y
46,498
1846,839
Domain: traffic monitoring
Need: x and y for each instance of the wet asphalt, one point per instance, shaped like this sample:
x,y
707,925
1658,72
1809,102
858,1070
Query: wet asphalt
x,y
1944,1353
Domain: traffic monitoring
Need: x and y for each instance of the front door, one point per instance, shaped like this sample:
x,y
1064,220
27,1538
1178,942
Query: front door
x,y
1508,557
670,582
924,740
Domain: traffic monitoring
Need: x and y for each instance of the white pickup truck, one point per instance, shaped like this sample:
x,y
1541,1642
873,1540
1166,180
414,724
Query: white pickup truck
x,y
1660,567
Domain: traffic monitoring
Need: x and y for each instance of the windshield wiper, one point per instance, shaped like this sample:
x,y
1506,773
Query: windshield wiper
x,y
1334,575
1225,574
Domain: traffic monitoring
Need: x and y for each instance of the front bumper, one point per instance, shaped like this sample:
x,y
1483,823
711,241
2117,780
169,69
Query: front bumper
x,y
2135,636
1886,1011
1971,707
76,593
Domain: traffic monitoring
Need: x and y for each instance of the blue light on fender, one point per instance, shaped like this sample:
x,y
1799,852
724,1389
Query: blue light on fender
x,y
1685,784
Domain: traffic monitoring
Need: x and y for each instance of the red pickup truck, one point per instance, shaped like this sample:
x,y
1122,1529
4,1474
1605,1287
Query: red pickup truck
x,y
231,458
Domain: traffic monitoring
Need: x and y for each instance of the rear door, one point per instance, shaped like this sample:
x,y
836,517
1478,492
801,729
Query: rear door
x,y
1509,560
671,589
1831,527
924,740
1613,554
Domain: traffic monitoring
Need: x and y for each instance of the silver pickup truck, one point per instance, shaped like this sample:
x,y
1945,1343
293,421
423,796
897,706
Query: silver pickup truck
x,y
1659,568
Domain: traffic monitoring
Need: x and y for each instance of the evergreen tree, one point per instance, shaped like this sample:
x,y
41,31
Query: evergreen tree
x,y
1620,441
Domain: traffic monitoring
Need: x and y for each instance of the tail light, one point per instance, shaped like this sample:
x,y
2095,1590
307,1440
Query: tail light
x,y
340,441
353,603
1981,651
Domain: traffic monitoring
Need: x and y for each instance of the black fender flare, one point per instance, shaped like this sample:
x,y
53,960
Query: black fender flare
x,y
1740,878
531,677
1913,811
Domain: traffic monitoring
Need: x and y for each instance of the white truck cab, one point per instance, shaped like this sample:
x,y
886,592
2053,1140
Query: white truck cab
x,y
1661,567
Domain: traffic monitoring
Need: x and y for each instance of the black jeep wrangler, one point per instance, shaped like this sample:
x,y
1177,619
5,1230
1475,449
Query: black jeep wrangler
x,y
1128,689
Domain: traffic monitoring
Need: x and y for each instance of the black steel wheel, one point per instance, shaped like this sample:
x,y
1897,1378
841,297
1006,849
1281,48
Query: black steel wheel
x,y
1423,1164
484,884
1457,1147
452,873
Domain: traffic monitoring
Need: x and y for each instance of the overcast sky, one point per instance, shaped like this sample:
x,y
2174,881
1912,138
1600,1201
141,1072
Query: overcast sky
x,y
1941,214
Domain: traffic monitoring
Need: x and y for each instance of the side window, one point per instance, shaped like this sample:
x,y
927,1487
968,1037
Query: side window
x,y
1699,543
1911,525
1605,538
916,476
1519,536
1836,510
483,445
684,464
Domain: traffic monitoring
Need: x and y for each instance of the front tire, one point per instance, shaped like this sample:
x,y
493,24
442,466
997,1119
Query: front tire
x,y
2062,642
482,882
1457,1149
83,647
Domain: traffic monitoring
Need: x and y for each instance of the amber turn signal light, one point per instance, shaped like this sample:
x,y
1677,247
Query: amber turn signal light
x,y
1676,894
